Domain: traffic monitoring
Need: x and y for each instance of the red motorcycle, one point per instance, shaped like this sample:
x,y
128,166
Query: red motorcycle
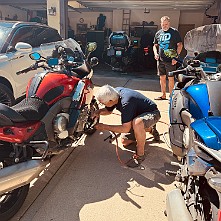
x,y
55,114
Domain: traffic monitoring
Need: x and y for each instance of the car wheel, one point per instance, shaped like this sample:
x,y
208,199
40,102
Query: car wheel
x,y
6,95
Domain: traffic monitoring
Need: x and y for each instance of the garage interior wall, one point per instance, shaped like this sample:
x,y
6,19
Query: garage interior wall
x,y
11,12
139,16
89,18
114,19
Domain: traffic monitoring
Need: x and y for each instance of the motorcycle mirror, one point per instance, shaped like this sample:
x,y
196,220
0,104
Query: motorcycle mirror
x,y
94,61
35,56
187,60
91,46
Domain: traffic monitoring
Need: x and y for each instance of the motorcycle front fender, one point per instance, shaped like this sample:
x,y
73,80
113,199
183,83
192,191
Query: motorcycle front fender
x,y
176,208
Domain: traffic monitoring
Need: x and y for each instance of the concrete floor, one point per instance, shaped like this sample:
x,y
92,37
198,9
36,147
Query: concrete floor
x,y
90,184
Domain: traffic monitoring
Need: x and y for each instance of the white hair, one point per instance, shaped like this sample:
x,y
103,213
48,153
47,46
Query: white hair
x,y
107,93
165,18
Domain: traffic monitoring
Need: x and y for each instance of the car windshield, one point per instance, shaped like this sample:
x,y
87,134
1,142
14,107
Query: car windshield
x,y
77,54
4,32
203,39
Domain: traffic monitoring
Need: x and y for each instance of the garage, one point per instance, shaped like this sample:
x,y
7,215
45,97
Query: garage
x,y
53,141
95,20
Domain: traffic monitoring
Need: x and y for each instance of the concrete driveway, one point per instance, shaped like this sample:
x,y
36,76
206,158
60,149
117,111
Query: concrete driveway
x,y
90,184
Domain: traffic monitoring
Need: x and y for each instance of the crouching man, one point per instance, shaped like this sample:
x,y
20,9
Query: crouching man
x,y
139,115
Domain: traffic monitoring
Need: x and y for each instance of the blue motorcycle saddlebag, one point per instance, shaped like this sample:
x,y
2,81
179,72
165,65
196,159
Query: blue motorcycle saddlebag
x,y
176,128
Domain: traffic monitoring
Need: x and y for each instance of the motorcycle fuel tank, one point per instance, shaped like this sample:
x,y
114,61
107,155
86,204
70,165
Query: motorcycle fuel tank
x,y
204,99
198,100
51,86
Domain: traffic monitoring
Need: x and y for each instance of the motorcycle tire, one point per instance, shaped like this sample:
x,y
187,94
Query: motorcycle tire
x,y
91,130
11,202
6,95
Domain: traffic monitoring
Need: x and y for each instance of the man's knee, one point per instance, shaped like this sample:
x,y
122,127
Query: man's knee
x,y
138,123
171,78
163,78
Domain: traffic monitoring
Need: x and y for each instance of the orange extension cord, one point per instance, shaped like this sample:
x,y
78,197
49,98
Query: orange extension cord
x,y
117,145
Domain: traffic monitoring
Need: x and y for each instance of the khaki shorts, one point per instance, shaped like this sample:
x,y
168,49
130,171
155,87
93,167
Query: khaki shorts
x,y
149,119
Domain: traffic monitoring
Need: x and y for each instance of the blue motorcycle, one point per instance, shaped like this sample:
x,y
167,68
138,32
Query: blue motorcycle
x,y
195,136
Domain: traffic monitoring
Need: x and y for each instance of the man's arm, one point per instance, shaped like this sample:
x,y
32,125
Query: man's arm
x,y
179,47
102,111
124,128
155,51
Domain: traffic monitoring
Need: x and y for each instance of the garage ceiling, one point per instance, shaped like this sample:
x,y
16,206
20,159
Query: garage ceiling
x,y
148,4
106,5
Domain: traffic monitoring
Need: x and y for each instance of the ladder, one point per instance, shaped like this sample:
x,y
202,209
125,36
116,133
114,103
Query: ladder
x,y
126,20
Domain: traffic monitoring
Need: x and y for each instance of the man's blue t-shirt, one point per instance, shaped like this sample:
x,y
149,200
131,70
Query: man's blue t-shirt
x,y
131,104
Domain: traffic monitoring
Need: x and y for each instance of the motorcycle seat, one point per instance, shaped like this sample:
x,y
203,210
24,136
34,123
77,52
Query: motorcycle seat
x,y
29,109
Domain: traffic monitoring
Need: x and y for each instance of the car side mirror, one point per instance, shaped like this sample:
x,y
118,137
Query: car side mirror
x,y
23,47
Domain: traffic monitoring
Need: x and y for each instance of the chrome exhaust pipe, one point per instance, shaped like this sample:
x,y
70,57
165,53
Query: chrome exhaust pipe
x,y
176,208
20,174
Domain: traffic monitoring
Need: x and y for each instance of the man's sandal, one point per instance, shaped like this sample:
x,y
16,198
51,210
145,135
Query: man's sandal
x,y
135,161
160,98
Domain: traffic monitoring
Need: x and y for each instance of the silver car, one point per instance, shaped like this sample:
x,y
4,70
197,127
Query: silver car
x,y
14,57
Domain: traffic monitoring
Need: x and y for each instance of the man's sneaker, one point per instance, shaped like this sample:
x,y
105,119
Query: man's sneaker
x,y
155,133
135,161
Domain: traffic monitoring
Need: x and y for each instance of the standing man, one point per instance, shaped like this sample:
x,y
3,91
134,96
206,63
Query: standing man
x,y
167,45
138,115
